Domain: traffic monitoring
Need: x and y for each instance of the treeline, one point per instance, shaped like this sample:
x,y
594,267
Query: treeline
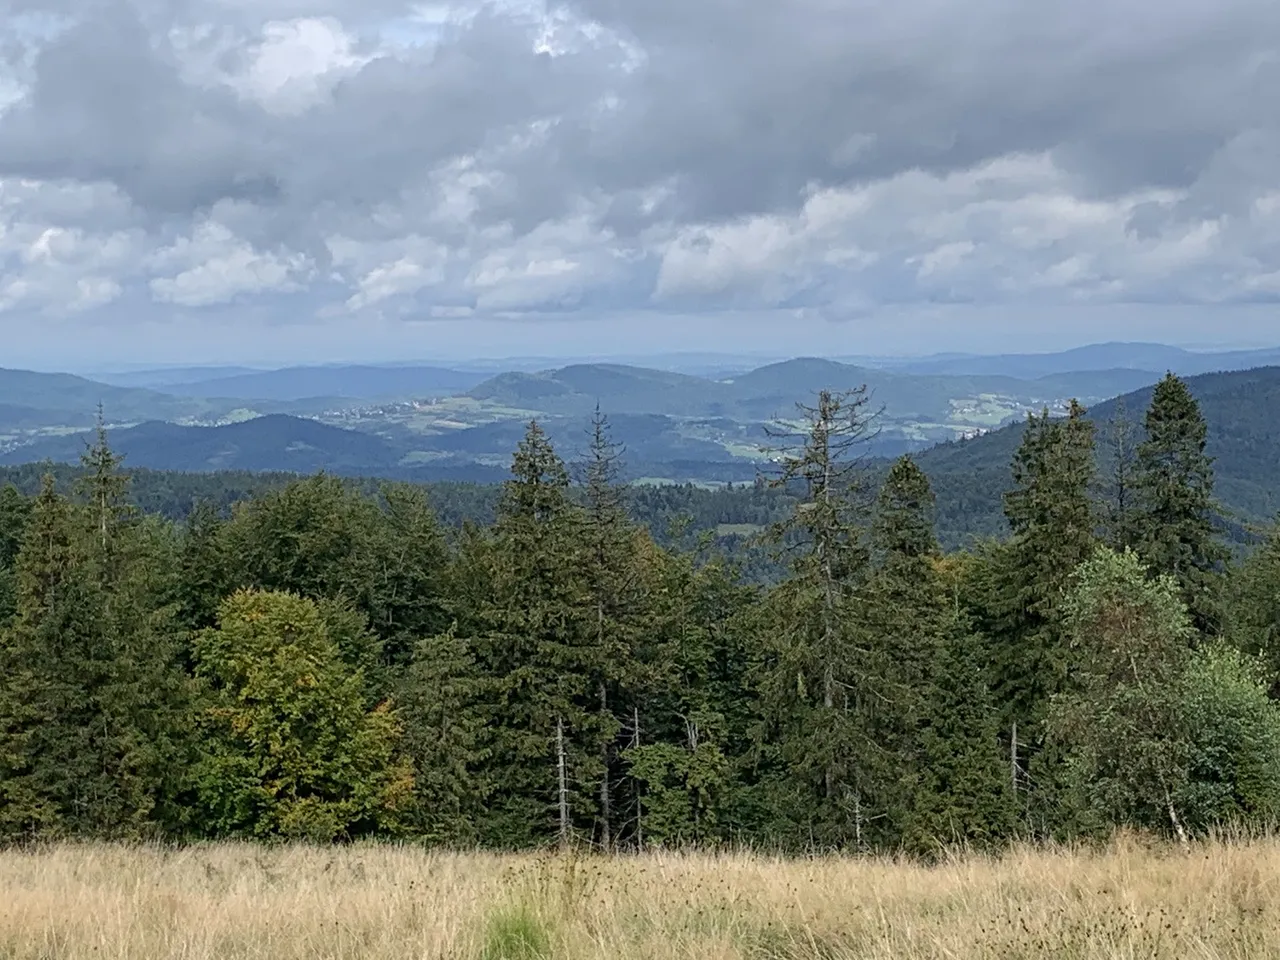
x,y
672,513
324,662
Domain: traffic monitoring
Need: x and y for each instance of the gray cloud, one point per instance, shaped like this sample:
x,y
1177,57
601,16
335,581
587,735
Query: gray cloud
x,y
664,155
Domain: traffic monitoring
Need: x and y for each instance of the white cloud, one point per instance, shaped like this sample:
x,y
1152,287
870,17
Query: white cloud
x,y
214,266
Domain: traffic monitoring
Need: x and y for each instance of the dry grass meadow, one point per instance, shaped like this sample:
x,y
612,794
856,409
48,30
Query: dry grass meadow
x,y
1130,901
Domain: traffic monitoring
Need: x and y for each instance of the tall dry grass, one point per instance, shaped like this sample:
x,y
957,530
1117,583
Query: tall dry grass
x,y
231,901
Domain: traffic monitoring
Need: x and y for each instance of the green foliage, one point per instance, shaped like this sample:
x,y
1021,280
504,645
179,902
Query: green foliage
x,y
91,699
326,659
1176,527
289,748
819,678
1233,765
442,709
1253,607
532,634
682,784
15,509
1131,637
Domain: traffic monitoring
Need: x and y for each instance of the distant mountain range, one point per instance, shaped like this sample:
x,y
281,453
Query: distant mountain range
x,y
1151,357
426,422
1242,409
401,380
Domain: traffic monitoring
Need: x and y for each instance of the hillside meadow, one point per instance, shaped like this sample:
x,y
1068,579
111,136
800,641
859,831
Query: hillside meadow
x,y
1132,899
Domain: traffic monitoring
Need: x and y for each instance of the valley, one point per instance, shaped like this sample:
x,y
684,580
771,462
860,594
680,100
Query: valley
x,y
708,426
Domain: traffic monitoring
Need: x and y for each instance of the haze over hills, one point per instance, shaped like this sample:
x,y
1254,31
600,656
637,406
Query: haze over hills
x,y
346,382
420,421
1242,409
1151,357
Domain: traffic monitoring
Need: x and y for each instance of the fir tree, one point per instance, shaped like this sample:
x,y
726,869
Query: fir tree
x,y
1177,523
91,701
106,491
441,699
43,711
1051,518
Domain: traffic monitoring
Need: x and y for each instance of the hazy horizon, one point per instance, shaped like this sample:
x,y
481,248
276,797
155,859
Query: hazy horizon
x,y
276,346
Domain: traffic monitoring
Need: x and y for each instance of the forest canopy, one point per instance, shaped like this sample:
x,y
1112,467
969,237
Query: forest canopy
x,y
558,660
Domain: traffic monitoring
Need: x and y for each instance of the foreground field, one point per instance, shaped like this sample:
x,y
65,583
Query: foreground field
x,y
1221,901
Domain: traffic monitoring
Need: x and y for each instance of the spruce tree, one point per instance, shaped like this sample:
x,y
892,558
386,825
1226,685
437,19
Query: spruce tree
x,y
90,698
1021,586
821,681
44,711
145,696
441,700
1178,519
617,599
938,720
534,644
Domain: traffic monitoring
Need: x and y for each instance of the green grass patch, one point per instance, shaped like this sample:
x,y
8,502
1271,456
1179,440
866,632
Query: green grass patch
x,y
516,933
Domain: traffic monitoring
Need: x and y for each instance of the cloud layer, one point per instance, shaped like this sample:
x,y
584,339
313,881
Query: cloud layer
x,y
373,161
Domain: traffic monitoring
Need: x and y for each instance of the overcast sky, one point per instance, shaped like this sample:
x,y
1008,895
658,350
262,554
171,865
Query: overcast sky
x,y
326,179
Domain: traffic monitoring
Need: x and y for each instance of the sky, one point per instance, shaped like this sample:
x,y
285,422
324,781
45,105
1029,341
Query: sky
x,y
319,180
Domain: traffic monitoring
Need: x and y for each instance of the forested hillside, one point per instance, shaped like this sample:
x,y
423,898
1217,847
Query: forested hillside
x,y
331,659
1241,409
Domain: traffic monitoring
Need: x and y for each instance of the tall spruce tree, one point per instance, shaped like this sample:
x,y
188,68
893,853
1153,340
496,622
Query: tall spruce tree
x,y
820,683
617,598
43,710
1022,586
535,645
938,720
90,697
441,700
1177,518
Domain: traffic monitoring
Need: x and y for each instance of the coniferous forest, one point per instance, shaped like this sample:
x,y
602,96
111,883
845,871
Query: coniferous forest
x,y
327,663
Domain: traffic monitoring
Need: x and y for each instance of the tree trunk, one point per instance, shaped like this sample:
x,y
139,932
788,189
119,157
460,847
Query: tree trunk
x,y
606,801
1176,822
563,784
635,743
1013,758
